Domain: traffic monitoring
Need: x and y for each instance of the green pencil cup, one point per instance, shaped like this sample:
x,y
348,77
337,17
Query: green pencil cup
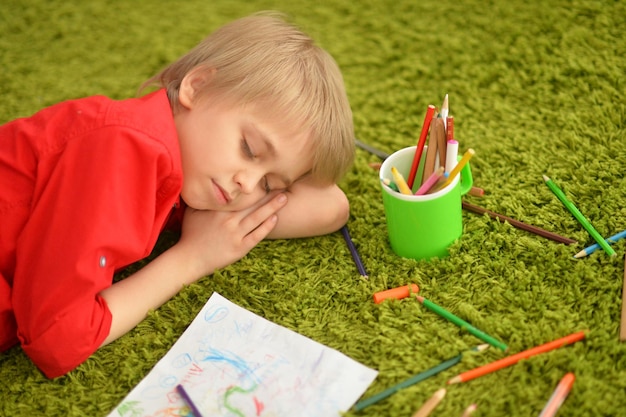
x,y
424,226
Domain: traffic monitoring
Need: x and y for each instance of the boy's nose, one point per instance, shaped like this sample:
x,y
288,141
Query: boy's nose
x,y
248,181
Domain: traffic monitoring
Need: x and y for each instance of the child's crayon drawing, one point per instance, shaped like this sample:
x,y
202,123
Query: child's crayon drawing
x,y
234,363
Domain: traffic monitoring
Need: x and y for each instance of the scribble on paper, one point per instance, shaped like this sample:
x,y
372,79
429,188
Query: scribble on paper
x,y
236,364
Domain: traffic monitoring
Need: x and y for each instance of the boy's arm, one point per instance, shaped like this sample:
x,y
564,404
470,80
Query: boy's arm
x,y
210,240
311,211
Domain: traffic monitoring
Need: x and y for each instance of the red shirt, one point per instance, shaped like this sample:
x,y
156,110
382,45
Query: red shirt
x,y
86,187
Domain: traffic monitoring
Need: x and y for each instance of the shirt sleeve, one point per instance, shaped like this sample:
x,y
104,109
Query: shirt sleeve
x,y
95,213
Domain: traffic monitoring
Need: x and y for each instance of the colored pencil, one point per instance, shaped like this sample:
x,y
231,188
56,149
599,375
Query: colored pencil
x,y
415,379
442,147
353,251
513,359
420,144
516,223
579,216
476,192
461,323
622,331
449,128
452,150
591,249
445,109
391,184
407,383
430,182
469,410
558,396
431,403
431,151
458,167
400,182
397,293
183,393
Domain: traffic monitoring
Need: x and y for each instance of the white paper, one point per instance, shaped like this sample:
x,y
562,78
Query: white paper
x,y
234,363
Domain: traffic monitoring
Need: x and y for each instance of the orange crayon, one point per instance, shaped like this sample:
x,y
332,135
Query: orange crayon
x,y
513,359
396,293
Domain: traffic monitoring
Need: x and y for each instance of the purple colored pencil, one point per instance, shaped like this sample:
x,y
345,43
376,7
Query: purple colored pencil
x,y
183,393
353,252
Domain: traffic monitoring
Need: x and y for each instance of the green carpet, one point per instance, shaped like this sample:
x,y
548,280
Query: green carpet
x,y
535,88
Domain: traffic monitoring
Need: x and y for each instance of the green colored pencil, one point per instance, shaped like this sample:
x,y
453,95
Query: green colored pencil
x,y
579,216
461,323
407,383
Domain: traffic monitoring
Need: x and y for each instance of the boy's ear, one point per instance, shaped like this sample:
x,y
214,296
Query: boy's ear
x,y
192,84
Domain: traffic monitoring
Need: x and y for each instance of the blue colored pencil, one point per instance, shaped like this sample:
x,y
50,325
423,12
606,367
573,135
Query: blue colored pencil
x,y
183,393
591,249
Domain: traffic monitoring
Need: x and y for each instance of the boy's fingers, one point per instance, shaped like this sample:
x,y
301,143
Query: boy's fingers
x,y
261,231
263,213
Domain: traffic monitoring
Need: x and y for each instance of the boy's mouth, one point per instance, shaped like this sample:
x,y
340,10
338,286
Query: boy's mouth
x,y
221,195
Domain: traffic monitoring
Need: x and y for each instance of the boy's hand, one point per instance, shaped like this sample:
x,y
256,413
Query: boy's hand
x,y
214,239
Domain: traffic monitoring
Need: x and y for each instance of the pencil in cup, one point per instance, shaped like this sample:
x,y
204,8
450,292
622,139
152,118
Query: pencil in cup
x,y
579,216
400,182
430,182
513,359
430,111
462,323
458,167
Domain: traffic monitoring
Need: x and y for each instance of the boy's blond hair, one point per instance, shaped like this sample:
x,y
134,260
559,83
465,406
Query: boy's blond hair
x,y
263,59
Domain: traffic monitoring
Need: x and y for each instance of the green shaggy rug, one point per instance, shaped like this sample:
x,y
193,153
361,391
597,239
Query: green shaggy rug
x,y
536,88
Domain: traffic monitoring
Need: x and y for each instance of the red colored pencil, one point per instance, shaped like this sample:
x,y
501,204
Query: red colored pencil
x,y
420,144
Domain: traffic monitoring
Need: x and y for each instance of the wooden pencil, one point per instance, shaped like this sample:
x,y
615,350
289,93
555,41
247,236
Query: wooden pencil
x,y
435,308
469,410
558,396
431,151
516,223
420,144
399,179
442,143
431,403
353,251
586,224
622,331
513,359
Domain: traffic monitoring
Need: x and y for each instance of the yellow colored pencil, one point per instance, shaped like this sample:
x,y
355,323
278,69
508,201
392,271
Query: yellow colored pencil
x,y
400,182
458,167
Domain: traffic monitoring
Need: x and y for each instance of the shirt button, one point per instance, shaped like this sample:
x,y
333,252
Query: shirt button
x,y
103,262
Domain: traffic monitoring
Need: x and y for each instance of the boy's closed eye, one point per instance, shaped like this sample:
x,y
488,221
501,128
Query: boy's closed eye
x,y
247,150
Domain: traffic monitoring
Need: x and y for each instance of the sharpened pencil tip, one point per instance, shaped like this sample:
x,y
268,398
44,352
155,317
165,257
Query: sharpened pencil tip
x,y
454,380
581,254
482,347
546,178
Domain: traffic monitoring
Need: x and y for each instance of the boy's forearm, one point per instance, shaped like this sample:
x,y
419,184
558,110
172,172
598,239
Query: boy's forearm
x,y
311,211
130,299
